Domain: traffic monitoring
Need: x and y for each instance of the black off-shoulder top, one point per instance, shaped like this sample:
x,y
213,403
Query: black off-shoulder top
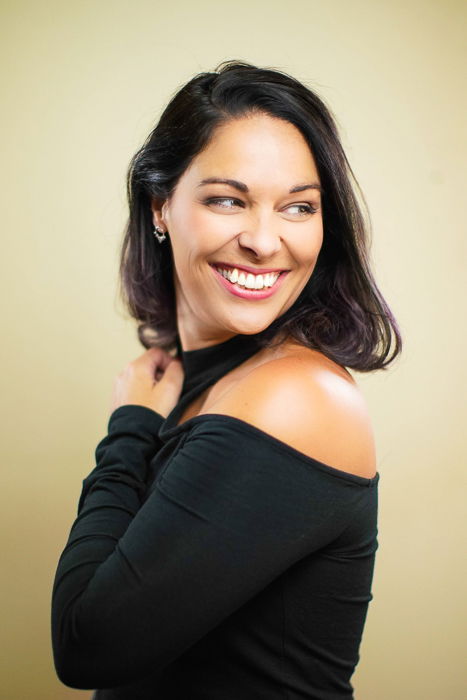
x,y
212,561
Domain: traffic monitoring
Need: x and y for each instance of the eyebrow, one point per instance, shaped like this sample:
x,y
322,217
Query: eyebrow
x,y
243,188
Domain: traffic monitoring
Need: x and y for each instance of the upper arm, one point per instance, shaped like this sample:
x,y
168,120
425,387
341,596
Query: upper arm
x,y
309,405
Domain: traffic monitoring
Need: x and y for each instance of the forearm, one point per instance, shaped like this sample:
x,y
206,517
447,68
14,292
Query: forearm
x,y
111,496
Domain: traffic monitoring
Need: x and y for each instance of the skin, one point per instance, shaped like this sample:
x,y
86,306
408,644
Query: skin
x,y
266,227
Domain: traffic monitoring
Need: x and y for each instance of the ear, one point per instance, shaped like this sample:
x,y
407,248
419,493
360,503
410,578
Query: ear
x,y
159,213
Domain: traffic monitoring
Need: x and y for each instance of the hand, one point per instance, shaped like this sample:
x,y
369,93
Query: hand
x,y
154,380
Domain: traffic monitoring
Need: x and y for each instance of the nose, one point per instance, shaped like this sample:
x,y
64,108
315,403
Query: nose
x,y
261,237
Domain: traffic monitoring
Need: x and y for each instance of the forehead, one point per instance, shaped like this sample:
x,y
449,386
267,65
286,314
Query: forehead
x,y
256,147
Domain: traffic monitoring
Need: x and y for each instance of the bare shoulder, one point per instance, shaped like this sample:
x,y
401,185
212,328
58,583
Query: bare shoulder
x,y
306,400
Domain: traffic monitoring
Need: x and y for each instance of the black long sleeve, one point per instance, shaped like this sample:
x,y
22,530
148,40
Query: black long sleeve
x,y
147,572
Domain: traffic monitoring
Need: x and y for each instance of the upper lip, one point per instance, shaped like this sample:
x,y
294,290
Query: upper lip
x,y
253,270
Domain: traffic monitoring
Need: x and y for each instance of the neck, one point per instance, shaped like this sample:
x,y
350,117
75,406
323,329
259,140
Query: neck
x,y
197,342
193,335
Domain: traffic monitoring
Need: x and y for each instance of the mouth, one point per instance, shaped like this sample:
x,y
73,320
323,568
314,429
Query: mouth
x,y
240,282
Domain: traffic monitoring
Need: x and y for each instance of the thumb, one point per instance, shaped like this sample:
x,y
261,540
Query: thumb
x,y
169,388
174,372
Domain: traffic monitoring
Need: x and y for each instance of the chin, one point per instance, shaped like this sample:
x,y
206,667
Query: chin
x,y
249,326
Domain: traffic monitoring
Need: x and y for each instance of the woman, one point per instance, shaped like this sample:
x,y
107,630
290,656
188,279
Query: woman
x,y
225,541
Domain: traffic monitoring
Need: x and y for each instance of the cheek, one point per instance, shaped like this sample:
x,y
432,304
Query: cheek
x,y
305,249
187,234
318,239
195,236
197,232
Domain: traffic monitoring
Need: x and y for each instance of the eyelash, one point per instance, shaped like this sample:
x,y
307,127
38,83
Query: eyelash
x,y
217,200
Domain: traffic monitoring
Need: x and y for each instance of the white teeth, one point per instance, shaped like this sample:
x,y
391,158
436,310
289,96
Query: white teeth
x,y
249,281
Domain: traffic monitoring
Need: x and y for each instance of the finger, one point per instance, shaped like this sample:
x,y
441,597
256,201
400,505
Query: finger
x,y
166,359
174,372
153,359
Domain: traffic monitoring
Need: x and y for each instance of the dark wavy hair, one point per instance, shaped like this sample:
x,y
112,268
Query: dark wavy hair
x,y
340,311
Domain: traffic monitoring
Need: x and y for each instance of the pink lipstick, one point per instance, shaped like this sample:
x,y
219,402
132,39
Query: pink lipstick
x,y
246,293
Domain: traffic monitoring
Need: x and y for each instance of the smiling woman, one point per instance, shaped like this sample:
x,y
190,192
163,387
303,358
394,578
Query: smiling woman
x,y
226,538
340,311
260,159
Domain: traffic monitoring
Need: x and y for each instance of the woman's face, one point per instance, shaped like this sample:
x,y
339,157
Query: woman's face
x,y
265,236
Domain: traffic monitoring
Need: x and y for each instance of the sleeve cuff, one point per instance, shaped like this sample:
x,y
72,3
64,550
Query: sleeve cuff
x,y
137,416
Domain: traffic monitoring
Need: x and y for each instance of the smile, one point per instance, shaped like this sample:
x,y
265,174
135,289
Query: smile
x,y
248,285
248,280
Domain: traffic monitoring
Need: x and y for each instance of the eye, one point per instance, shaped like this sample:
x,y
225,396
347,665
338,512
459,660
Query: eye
x,y
223,202
304,208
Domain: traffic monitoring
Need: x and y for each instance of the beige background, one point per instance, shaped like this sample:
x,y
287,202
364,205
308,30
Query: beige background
x,y
82,84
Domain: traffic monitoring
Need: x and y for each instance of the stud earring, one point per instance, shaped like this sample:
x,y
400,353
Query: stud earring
x,y
159,233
